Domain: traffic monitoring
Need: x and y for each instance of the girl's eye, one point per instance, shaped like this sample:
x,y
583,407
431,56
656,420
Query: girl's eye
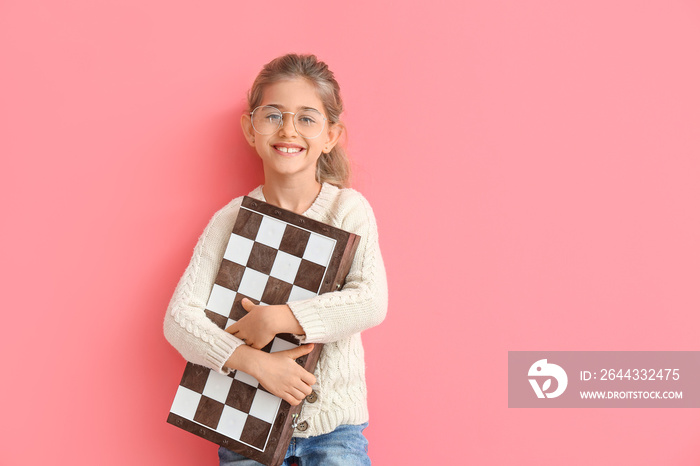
x,y
306,120
273,117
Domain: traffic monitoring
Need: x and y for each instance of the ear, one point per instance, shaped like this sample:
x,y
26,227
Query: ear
x,y
335,131
248,131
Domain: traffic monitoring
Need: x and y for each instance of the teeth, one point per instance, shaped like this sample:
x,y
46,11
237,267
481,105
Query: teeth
x,y
289,150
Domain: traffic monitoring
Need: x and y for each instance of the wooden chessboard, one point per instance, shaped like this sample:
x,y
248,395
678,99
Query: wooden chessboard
x,y
273,256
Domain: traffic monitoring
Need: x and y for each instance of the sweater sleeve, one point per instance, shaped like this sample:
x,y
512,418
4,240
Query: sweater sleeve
x,y
186,325
363,301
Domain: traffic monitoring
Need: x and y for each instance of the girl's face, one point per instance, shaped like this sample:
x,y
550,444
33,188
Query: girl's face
x,y
285,153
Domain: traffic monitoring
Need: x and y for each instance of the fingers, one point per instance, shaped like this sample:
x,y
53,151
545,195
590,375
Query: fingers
x,y
305,376
247,304
283,377
309,379
233,330
290,399
296,395
300,351
304,390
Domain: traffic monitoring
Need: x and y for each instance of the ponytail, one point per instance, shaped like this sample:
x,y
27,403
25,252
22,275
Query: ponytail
x,y
334,168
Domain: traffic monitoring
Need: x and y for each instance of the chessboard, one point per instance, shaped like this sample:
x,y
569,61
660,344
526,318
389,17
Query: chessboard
x,y
273,256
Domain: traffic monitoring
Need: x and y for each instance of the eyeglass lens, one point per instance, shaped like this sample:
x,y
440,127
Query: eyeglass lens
x,y
308,123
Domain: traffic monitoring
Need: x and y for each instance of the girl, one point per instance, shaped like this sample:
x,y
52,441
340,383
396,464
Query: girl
x,y
294,125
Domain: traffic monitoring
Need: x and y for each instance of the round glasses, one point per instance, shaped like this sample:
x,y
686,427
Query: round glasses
x,y
309,123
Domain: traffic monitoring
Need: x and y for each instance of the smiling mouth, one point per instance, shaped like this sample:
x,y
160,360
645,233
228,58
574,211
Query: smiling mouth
x,y
288,150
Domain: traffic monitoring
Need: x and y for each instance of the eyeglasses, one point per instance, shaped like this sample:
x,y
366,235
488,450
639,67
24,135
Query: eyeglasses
x,y
309,123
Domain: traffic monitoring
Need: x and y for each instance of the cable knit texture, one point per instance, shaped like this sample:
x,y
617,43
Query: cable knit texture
x,y
335,319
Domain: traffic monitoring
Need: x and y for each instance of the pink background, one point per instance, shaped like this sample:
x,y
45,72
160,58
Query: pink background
x,y
533,167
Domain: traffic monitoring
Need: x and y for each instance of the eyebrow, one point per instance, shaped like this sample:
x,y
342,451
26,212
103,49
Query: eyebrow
x,y
282,107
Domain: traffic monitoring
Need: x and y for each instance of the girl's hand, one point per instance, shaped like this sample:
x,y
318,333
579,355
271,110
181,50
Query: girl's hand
x,y
278,372
257,328
261,323
283,377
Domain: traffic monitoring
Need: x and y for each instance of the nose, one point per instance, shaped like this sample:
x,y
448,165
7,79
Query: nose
x,y
287,128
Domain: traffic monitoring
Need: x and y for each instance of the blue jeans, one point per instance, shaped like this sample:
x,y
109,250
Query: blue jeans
x,y
345,446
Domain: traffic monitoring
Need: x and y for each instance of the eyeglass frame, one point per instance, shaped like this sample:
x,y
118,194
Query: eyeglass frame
x,y
282,121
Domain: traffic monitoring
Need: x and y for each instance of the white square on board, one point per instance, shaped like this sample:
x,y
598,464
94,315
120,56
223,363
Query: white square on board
x,y
217,386
281,345
231,422
238,249
285,267
319,249
186,402
264,406
300,294
246,378
270,232
221,300
253,284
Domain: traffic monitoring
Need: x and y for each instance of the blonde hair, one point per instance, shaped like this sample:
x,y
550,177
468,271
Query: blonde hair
x,y
332,167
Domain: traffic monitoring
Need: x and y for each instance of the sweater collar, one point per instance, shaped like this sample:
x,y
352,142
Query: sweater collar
x,y
317,209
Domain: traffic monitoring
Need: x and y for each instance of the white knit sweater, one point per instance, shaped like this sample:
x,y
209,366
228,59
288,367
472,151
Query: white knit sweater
x,y
335,318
